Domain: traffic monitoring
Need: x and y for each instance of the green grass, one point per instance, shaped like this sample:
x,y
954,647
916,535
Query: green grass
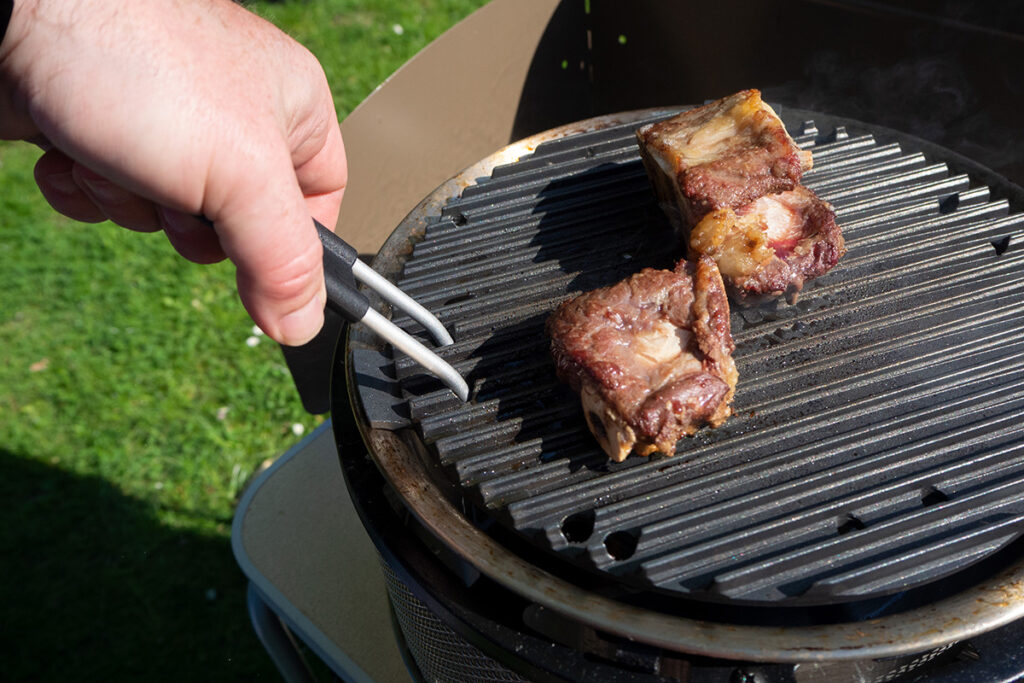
x,y
132,411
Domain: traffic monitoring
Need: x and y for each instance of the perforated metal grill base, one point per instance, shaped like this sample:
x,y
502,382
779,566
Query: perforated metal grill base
x,y
441,654
878,436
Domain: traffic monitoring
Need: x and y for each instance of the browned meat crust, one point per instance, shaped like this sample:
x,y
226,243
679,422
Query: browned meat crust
x,y
772,245
651,356
727,175
722,155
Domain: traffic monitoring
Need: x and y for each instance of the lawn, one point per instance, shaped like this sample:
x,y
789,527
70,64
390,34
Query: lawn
x,y
136,401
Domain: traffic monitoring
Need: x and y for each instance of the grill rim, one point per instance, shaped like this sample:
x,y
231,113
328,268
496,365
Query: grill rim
x,y
990,604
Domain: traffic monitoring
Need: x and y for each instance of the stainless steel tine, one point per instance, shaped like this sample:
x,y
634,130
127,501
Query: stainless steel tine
x,y
396,297
402,341
341,267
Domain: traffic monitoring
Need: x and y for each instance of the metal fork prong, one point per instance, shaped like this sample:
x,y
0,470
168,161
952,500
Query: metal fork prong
x,y
402,341
402,301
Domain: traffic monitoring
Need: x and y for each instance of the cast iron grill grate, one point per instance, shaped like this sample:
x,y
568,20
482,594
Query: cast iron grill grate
x,y
877,441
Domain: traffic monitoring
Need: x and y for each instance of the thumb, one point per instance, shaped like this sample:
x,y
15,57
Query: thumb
x,y
269,235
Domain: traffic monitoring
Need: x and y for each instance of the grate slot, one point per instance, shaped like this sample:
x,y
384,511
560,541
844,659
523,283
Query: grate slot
x,y
876,542
449,238
928,207
845,207
859,168
610,184
551,165
605,235
838,164
579,141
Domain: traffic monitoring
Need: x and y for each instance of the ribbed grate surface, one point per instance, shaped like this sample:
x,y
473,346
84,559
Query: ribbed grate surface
x,y
877,441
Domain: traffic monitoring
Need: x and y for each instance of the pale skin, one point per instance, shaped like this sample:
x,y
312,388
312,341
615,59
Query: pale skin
x,y
154,112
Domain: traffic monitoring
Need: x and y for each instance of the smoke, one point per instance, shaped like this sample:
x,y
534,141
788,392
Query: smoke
x,y
938,95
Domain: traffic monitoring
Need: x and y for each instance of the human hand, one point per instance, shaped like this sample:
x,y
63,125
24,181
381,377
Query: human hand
x,y
153,112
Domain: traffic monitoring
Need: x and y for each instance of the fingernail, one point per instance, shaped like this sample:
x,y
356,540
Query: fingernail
x,y
105,191
299,327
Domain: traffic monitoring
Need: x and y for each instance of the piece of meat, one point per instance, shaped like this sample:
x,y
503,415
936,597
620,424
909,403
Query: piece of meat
x,y
651,356
722,155
772,245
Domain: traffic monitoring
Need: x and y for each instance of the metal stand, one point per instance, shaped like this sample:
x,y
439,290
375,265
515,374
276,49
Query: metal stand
x,y
277,640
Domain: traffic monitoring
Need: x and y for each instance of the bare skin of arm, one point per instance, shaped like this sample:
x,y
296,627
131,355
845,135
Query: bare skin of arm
x,y
153,112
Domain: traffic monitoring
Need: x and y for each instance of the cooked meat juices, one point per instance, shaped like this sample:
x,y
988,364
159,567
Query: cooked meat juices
x,y
651,356
770,246
727,175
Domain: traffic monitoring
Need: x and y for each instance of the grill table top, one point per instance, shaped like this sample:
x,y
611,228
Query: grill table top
x,y
299,541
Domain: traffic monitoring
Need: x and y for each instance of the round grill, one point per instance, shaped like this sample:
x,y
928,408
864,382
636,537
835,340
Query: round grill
x,y
877,439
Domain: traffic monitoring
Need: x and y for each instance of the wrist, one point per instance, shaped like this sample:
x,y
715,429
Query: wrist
x,y
6,9
11,19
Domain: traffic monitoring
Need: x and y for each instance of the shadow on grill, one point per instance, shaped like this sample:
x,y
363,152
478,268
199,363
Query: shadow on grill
x,y
601,225
587,229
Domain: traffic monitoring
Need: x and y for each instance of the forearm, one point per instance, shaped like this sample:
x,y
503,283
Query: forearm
x,y
6,7
31,50
6,10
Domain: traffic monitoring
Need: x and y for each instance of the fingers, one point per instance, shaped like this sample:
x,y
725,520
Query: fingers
x,y
319,157
81,194
125,208
271,238
192,238
55,178
325,207
267,229
248,136
85,196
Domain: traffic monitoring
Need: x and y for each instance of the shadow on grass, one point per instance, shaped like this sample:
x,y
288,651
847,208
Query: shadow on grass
x,y
95,588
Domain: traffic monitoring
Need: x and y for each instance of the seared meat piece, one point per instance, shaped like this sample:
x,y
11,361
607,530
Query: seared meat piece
x,y
727,175
722,155
650,356
772,245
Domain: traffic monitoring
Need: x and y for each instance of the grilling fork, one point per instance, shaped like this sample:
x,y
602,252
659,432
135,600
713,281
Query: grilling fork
x,y
342,268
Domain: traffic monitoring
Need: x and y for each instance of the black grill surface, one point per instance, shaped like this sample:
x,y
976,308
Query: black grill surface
x,y
877,441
